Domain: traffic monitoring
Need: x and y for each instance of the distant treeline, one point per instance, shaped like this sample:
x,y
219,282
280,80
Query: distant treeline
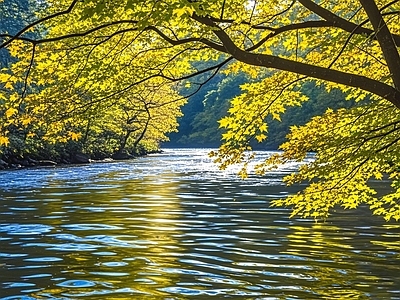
x,y
199,127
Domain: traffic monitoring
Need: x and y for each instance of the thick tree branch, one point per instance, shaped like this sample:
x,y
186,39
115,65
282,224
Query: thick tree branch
x,y
228,46
385,91
385,39
346,26
175,42
340,22
170,40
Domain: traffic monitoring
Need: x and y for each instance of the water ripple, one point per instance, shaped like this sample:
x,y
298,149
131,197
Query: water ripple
x,y
171,226
76,284
25,229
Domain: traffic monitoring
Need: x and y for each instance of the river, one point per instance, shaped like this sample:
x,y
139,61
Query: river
x,y
172,226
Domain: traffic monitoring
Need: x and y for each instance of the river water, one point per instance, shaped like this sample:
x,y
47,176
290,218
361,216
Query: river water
x,y
172,226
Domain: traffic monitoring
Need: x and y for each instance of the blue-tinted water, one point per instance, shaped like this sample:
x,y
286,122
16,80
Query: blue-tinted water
x,y
171,226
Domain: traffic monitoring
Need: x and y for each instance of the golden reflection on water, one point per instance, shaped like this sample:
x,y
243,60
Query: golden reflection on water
x,y
331,252
139,218
391,245
128,234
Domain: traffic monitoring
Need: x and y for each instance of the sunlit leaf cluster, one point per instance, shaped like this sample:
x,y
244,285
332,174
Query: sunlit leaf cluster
x,y
106,70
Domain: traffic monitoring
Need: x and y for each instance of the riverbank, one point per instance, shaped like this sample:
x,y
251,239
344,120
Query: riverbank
x,y
12,162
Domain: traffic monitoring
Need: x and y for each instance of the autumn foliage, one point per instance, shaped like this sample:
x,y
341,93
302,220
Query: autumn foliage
x,y
117,65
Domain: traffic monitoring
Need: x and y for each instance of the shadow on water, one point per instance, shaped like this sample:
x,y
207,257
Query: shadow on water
x,y
172,226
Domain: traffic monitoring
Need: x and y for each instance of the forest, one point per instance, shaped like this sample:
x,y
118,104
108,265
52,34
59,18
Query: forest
x,y
127,136
78,130
95,79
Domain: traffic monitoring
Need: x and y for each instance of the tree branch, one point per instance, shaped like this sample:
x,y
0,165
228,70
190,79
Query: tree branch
x,y
33,24
385,39
340,22
373,86
351,28
23,94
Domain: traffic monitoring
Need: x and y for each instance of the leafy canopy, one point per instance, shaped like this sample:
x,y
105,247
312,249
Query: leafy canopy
x,y
94,52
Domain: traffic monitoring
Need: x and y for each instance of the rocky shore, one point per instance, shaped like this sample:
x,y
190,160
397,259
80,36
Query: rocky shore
x,y
18,162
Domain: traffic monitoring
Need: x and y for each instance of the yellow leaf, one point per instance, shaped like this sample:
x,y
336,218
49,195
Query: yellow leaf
x,y
260,137
9,85
179,12
263,127
4,141
26,121
10,112
4,77
223,122
74,136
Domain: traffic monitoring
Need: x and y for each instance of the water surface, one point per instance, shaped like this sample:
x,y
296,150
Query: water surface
x,y
171,226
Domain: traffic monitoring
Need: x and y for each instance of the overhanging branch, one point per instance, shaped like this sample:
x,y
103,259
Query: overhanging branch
x,y
33,24
269,61
340,22
385,39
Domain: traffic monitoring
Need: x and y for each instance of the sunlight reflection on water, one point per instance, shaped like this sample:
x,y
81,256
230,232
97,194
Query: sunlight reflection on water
x,y
172,226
